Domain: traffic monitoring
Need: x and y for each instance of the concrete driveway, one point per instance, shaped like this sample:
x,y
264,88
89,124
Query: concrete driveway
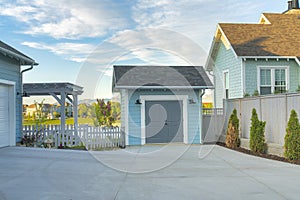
x,y
148,172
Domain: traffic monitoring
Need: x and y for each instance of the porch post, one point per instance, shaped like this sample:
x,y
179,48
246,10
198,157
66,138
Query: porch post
x,y
63,112
75,112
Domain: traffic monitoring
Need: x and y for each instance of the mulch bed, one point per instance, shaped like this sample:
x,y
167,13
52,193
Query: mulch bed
x,y
267,156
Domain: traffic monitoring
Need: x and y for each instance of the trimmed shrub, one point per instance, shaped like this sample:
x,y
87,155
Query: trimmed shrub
x,y
255,93
292,138
257,137
232,135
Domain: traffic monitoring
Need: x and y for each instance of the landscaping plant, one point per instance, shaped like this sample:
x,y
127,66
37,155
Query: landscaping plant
x,y
104,113
292,138
232,135
257,137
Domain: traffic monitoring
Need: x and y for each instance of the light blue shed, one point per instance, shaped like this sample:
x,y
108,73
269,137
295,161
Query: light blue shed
x,y
161,104
11,72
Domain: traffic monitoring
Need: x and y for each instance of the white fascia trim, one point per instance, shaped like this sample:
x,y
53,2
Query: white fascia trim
x,y
211,50
270,57
165,87
29,61
227,41
12,110
183,98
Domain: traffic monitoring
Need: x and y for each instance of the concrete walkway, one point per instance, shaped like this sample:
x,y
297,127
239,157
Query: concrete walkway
x,y
149,172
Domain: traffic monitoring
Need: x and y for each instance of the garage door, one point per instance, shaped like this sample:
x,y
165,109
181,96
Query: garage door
x,y
163,121
4,116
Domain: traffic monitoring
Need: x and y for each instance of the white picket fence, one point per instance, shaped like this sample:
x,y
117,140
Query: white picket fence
x,y
92,138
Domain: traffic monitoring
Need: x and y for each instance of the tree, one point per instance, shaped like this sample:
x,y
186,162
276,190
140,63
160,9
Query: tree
x,y
83,110
104,113
292,138
39,115
232,135
257,137
116,111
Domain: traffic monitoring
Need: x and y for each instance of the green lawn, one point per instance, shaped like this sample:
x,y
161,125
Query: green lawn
x,y
57,121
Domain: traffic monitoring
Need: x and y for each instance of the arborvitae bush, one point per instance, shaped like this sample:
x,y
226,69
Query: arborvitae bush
x,y
232,135
292,138
257,137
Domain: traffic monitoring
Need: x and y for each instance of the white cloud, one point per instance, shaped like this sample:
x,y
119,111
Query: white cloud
x,y
66,19
196,19
71,51
180,30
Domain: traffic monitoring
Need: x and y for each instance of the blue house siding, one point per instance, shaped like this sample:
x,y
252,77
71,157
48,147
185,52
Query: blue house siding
x,y
10,71
226,60
194,124
134,114
251,73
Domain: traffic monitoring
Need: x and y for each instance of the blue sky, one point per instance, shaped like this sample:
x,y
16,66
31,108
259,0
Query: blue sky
x,y
78,41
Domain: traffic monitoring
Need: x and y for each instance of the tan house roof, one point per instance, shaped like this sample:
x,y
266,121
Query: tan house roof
x,y
275,35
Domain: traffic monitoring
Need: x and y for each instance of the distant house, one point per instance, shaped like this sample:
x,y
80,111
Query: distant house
x,y
161,104
11,73
47,109
30,110
258,58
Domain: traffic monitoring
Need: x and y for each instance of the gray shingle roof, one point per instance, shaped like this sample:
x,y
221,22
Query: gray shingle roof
x,y
160,77
12,52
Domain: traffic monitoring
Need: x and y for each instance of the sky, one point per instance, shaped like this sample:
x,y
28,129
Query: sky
x,y
79,41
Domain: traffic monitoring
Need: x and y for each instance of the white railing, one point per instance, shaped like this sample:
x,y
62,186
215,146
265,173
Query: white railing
x,y
92,138
212,111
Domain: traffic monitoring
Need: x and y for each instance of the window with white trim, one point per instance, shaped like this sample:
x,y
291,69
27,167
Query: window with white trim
x,y
273,80
226,85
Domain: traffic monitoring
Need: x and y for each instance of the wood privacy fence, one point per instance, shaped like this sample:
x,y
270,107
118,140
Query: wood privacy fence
x,y
274,109
92,138
212,125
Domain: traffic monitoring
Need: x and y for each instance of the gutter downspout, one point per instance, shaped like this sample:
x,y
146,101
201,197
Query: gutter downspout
x,y
200,115
23,71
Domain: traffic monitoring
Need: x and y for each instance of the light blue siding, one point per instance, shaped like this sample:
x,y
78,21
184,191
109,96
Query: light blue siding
x,y
134,114
226,60
10,71
251,73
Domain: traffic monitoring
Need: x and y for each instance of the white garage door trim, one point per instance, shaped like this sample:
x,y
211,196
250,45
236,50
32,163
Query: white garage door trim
x,y
12,110
183,98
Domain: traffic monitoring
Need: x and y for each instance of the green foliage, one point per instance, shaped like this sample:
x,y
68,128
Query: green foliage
x,y
57,121
56,115
257,137
292,138
116,111
83,110
232,135
246,95
39,115
255,93
106,113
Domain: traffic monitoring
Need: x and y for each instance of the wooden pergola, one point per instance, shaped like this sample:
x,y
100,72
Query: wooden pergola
x,y
61,92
